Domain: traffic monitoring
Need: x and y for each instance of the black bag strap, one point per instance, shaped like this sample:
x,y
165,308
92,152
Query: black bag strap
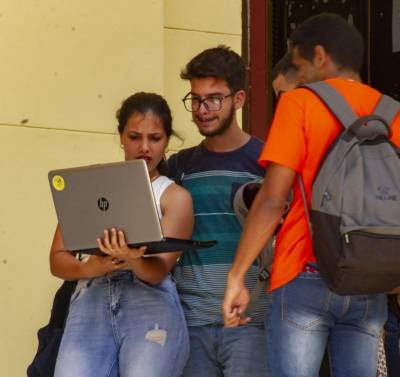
x,y
49,336
60,308
182,163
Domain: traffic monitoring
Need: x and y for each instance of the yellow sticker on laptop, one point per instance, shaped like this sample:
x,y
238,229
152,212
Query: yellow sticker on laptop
x,y
58,182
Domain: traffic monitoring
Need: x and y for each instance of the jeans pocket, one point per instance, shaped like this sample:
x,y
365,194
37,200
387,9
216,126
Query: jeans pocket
x,y
162,289
305,302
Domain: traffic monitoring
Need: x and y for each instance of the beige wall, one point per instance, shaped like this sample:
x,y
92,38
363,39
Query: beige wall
x,y
189,27
68,64
65,67
64,70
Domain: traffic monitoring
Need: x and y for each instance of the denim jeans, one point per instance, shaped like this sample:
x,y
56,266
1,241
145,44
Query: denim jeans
x,y
305,317
216,351
392,347
119,326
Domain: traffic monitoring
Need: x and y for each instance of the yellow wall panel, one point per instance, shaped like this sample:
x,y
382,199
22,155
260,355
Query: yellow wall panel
x,y
27,224
66,68
180,47
223,16
67,64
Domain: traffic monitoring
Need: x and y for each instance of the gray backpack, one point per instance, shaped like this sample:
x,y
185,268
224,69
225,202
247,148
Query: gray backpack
x,y
355,206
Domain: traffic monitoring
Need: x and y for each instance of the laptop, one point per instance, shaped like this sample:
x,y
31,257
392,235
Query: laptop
x,y
92,198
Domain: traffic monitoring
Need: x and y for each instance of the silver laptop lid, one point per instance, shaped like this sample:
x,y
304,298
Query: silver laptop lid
x,y
92,198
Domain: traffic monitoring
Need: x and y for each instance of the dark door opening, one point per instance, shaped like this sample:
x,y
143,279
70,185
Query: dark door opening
x,y
268,24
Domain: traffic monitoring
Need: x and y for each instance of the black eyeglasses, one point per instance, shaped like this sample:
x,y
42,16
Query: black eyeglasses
x,y
212,103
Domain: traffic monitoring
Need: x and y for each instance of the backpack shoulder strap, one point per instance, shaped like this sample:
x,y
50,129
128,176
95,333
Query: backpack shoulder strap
x,y
387,108
264,263
335,102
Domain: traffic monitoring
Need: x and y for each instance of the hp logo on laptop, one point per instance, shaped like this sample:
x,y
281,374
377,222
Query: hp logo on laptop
x,y
103,204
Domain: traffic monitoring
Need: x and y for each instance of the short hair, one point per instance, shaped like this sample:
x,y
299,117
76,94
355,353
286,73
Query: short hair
x,y
284,67
341,40
219,62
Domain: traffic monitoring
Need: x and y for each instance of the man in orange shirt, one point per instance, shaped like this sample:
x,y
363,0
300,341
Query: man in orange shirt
x,y
306,316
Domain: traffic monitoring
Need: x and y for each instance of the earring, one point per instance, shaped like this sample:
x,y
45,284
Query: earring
x,y
121,146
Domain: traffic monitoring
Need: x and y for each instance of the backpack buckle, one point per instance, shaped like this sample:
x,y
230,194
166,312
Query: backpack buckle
x,y
263,275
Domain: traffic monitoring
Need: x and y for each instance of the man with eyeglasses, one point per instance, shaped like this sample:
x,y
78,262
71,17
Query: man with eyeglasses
x,y
212,171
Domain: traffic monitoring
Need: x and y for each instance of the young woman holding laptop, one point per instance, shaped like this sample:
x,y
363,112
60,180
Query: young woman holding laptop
x,y
125,317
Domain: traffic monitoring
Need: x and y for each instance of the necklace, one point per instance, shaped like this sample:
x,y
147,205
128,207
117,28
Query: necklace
x,y
155,177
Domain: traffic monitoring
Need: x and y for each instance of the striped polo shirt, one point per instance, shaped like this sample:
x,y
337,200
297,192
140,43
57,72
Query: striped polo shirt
x,y
213,179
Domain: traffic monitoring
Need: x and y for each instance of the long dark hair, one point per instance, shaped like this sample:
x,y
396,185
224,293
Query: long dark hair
x,y
142,103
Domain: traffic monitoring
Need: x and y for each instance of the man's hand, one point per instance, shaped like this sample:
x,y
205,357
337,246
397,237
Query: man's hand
x,y
235,303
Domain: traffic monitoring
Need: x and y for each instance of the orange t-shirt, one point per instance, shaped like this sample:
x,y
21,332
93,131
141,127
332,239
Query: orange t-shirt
x,y
301,132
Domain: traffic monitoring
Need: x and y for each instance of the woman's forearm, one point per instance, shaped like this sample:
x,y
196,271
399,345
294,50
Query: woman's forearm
x,y
152,270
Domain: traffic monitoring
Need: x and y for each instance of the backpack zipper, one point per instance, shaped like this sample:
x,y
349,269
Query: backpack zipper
x,y
371,235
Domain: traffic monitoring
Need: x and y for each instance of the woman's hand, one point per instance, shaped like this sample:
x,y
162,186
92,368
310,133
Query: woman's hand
x,y
114,244
64,265
101,265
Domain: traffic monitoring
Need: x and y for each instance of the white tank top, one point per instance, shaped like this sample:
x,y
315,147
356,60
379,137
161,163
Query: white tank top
x,y
159,185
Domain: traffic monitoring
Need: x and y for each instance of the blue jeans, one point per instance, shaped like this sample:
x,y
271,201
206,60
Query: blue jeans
x,y
119,326
216,351
392,348
306,317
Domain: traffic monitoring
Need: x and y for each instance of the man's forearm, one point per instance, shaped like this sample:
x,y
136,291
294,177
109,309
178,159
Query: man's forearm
x,y
260,225
264,217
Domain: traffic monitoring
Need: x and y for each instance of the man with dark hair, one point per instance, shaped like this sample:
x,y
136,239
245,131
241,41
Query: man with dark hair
x,y
305,315
212,172
341,41
284,75
219,62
